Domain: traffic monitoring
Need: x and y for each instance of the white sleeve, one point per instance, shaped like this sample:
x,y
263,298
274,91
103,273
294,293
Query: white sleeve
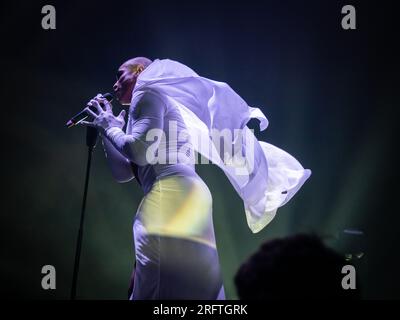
x,y
149,118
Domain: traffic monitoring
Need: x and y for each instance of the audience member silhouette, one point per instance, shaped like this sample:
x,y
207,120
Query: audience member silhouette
x,y
296,267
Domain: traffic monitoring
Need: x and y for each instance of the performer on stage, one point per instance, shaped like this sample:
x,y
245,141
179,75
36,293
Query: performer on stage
x,y
173,114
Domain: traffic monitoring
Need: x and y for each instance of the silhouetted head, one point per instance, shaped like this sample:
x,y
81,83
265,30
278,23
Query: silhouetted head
x,y
296,267
127,75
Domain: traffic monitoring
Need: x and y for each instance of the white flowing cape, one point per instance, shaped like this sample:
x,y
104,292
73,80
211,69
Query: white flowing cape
x,y
273,177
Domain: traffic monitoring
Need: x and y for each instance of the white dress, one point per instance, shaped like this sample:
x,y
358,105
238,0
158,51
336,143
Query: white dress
x,y
174,237
175,248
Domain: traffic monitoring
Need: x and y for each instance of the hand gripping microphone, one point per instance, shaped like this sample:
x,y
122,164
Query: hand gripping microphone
x,y
83,114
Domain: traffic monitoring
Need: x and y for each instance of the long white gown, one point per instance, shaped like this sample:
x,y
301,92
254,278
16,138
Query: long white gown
x,y
175,246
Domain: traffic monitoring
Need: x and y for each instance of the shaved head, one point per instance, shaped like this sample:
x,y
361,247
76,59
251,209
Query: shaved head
x,y
127,75
143,61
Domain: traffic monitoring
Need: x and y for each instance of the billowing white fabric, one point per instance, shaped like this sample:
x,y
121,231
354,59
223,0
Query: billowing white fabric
x,y
268,178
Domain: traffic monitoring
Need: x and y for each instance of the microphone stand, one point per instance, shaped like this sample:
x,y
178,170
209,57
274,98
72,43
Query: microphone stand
x,y
91,139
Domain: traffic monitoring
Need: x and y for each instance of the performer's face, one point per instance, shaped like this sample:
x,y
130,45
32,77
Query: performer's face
x,y
126,80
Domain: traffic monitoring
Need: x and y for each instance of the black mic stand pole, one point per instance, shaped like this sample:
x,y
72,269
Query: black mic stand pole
x,y
91,139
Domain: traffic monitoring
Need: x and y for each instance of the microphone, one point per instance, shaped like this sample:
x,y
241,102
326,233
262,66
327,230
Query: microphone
x,y
83,114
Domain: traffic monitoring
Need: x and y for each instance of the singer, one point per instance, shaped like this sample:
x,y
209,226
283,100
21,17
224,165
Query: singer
x,y
175,247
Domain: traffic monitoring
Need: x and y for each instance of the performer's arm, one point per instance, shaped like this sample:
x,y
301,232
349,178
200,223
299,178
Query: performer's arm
x,y
149,118
120,166
149,115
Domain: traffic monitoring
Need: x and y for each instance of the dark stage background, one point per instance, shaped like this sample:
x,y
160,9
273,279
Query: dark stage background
x,y
330,96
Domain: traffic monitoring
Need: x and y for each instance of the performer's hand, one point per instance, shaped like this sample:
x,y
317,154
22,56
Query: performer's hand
x,y
103,118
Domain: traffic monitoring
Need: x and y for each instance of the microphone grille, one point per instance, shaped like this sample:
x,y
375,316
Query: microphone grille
x,y
108,96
